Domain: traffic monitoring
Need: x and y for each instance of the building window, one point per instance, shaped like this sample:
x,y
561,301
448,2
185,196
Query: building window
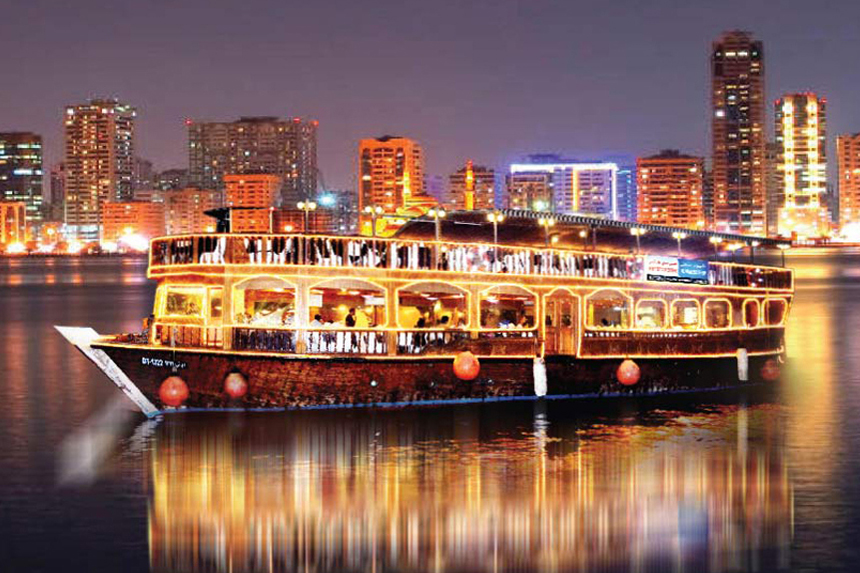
x,y
608,309
216,302
651,314
774,311
346,303
184,302
507,306
718,314
751,312
431,305
264,302
685,313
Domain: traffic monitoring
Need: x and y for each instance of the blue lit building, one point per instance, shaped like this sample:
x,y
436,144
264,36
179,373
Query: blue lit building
x,y
21,172
626,193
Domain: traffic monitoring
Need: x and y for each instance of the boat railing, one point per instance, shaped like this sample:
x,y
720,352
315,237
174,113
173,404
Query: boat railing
x,y
189,335
427,341
353,341
415,255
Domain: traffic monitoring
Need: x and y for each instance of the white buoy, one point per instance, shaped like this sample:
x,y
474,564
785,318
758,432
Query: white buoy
x,y
539,371
743,365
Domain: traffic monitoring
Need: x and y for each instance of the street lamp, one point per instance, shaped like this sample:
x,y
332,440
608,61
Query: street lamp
x,y
716,242
753,245
437,215
307,207
495,218
374,212
679,236
546,223
638,232
782,248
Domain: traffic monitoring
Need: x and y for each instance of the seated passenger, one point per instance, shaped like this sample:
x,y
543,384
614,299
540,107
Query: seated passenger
x,y
317,321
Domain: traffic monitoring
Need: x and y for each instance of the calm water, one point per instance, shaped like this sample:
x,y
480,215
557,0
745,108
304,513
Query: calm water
x,y
760,482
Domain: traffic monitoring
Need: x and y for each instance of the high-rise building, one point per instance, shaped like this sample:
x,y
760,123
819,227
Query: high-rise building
x,y
252,145
99,160
801,127
773,185
627,192
576,187
13,216
21,172
255,195
738,133
184,210
528,191
121,220
848,155
471,188
390,173
670,190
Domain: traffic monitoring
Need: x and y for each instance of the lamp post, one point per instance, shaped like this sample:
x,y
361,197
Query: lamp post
x,y
782,248
753,245
715,241
374,212
638,232
495,218
307,207
546,223
583,234
437,215
679,236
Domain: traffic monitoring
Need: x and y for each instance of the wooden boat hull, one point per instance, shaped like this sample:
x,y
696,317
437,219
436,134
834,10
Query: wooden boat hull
x,y
279,382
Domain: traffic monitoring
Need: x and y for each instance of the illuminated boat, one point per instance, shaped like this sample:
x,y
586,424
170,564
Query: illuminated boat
x,y
535,306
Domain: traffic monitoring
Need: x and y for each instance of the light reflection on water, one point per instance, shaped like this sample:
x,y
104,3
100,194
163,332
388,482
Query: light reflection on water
x,y
767,483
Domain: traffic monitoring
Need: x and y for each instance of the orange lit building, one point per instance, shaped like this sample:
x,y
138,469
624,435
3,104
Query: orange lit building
x,y
290,220
848,155
256,195
184,210
132,218
670,188
391,173
471,188
12,222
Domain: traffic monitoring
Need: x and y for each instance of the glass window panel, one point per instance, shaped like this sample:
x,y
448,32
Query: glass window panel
x,y
718,314
651,314
685,313
608,309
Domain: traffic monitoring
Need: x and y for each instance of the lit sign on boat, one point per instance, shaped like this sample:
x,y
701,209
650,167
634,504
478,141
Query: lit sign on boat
x,y
674,270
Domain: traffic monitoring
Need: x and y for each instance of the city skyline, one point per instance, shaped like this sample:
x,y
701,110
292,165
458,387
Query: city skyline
x,y
670,109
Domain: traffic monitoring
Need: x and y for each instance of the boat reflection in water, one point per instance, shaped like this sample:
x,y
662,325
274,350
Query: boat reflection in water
x,y
504,488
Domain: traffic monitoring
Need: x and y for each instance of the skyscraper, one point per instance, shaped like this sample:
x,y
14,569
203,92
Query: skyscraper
x,y
391,173
738,133
801,127
528,190
286,148
627,192
848,154
99,160
471,188
670,190
21,172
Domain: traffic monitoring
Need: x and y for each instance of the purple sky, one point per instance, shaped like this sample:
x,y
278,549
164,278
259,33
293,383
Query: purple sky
x,y
481,79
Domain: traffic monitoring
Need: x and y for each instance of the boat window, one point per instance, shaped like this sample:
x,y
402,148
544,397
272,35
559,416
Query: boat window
x,y
651,314
718,314
184,301
507,307
751,313
346,303
431,305
685,313
774,311
264,301
608,309
216,301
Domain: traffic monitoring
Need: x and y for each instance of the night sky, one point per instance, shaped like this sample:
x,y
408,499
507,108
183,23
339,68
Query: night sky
x,y
484,80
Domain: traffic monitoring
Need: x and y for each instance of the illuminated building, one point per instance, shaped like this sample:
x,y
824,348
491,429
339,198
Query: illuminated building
x,y
528,191
320,220
773,184
391,177
801,124
848,155
12,222
184,210
344,206
670,190
283,147
573,187
132,218
99,160
57,192
471,188
21,172
257,195
738,134
627,192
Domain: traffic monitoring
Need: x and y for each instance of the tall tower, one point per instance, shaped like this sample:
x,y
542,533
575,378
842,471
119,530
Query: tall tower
x,y
99,160
801,128
848,154
253,145
670,190
21,172
738,134
391,173
471,188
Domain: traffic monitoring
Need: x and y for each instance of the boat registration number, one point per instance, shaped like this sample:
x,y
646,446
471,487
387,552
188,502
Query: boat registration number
x,y
162,363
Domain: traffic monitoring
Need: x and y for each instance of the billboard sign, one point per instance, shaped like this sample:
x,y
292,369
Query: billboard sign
x,y
674,270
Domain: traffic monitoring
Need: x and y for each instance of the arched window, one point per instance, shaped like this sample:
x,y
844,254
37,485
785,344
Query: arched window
x,y
264,302
346,303
507,306
774,311
651,313
751,313
718,314
685,313
432,305
608,309
183,301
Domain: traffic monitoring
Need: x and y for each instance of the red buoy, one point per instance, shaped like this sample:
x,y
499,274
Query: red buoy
x,y
173,391
235,384
770,370
628,373
466,366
